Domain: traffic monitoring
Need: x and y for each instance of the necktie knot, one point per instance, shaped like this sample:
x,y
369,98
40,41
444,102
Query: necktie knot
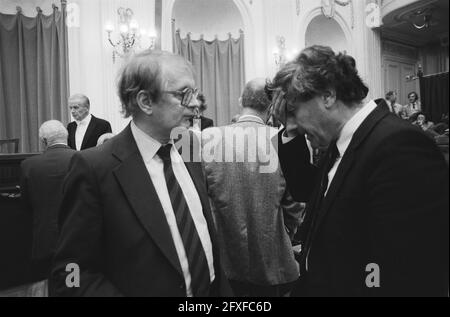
x,y
164,152
333,156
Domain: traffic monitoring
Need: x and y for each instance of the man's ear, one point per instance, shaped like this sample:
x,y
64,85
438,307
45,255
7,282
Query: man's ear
x,y
144,102
329,98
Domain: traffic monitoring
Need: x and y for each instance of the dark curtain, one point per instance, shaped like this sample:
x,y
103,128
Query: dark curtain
x,y
434,59
434,95
34,82
219,68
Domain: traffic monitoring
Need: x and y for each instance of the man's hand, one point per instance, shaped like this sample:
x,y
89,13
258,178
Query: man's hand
x,y
282,115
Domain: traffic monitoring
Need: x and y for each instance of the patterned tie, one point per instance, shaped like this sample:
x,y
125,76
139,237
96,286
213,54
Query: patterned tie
x,y
198,265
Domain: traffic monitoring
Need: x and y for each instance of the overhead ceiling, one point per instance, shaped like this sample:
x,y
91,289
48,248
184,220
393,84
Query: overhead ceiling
x,y
398,25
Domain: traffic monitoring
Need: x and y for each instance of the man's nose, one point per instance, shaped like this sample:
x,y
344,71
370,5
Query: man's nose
x,y
194,103
193,106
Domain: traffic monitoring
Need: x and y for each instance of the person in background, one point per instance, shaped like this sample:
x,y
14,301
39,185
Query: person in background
x,y
204,122
105,138
442,127
393,106
235,118
41,188
413,107
255,215
86,129
423,122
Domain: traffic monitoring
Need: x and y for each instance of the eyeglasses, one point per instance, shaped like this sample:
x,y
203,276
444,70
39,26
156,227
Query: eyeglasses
x,y
186,95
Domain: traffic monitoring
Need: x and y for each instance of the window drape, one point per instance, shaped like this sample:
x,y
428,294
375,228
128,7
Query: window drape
x,y
434,95
219,73
34,83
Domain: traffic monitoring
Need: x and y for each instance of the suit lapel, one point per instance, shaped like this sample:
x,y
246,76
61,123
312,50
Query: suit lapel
x,y
89,132
344,167
72,130
141,194
347,162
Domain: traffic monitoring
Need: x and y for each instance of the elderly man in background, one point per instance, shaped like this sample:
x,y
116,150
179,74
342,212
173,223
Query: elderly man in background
x,y
393,106
137,218
255,216
41,189
85,131
105,138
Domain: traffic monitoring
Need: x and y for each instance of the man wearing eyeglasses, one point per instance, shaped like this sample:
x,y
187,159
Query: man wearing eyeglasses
x,y
135,217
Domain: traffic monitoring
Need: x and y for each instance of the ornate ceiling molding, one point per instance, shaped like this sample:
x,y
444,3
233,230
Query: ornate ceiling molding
x,y
329,8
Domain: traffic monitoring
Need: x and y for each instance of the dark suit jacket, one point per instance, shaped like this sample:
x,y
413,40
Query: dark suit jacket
x,y
387,204
205,123
115,229
41,188
97,127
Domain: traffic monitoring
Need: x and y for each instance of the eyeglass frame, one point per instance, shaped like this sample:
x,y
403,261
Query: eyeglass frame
x,y
183,93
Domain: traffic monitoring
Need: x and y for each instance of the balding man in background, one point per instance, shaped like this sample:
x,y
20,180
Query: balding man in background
x,y
85,131
254,213
41,189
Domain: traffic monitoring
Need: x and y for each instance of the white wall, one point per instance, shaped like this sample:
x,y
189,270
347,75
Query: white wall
x,y
92,71
326,32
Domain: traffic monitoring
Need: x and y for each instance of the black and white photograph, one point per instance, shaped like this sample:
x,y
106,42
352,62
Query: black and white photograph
x,y
224,155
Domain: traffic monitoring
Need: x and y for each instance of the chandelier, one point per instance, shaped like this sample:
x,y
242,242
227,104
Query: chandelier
x,y
130,37
281,54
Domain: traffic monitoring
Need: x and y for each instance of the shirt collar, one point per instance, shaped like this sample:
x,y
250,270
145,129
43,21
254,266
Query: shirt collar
x,y
148,146
57,145
352,125
86,120
249,117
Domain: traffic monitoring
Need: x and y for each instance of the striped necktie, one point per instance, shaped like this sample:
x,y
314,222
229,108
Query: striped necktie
x,y
198,265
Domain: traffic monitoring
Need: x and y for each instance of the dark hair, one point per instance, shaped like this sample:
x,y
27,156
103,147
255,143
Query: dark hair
x,y
422,114
390,94
416,96
203,105
144,72
318,69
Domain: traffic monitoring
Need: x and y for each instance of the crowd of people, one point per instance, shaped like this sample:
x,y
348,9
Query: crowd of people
x,y
129,215
414,113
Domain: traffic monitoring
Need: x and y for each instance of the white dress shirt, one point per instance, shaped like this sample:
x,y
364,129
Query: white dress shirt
x,y
346,136
81,131
148,147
